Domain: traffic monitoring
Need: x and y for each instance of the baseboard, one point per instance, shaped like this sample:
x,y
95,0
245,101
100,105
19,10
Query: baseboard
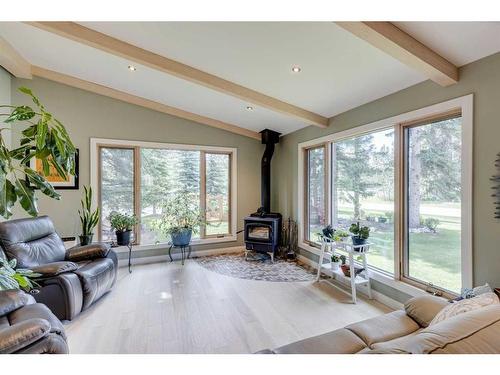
x,y
176,256
382,298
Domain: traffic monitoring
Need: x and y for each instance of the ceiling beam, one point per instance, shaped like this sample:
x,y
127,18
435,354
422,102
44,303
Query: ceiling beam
x,y
390,39
13,62
142,102
130,52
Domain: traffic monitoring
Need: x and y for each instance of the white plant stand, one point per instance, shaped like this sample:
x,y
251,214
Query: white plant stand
x,y
334,247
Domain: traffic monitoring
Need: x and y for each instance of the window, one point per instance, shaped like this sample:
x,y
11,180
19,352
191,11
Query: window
x,y
137,178
409,179
363,191
432,159
316,192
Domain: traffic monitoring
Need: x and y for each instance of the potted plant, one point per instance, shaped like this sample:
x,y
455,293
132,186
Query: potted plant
x,y
327,233
335,262
46,139
340,235
10,278
122,224
181,217
88,218
359,234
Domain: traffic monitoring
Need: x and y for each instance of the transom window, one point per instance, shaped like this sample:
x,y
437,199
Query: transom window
x,y
138,177
405,179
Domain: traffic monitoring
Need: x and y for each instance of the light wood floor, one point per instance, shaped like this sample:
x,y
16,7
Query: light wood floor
x,y
167,308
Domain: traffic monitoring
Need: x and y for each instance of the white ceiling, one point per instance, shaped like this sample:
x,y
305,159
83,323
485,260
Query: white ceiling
x,y
339,71
459,42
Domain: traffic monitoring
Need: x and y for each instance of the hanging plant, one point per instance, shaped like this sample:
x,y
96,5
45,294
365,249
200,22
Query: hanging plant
x,y
46,139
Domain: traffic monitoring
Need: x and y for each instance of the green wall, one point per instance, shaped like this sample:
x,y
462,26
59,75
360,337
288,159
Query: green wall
x,y
481,78
89,115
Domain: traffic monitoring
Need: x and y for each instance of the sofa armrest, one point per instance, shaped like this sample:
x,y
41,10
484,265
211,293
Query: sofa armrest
x,y
55,268
11,300
20,335
87,252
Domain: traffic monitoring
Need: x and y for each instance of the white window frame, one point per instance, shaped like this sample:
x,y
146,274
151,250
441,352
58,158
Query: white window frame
x,y
465,104
95,143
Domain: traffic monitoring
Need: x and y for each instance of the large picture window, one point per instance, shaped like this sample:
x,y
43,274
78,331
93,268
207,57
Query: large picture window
x,y
138,177
432,189
409,179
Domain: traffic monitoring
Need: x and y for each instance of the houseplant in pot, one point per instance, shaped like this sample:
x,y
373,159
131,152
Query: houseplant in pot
x,y
359,234
88,218
181,217
335,262
122,224
44,138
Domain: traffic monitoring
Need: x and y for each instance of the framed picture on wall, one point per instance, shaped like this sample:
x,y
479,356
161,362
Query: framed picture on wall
x,y
71,183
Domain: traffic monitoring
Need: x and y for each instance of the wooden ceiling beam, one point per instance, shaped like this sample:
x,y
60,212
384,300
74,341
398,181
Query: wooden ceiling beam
x,y
130,52
142,102
390,39
13,62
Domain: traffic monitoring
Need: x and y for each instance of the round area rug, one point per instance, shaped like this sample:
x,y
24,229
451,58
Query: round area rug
x,y
257,267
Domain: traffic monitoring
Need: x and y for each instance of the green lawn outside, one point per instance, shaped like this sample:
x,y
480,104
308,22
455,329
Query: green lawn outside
x,y
434,257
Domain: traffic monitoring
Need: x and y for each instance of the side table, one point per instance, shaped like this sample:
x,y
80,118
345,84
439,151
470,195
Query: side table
x,y
183,252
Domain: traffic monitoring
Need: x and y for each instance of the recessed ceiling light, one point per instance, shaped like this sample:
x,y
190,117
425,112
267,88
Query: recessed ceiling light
x,y
296,69
132,68
249,108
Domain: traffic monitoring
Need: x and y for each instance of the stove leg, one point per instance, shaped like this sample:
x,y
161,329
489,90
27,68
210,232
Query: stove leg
x,y
272,257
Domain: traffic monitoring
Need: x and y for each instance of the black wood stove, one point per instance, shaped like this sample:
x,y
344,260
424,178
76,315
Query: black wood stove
x,y
263,228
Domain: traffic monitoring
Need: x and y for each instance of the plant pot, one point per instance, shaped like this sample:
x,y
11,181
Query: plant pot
x,y
358,241
182,238
335,266
346,270
86,239
123,238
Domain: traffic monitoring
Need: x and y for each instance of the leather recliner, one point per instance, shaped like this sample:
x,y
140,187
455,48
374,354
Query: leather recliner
x,y
27,327
72,279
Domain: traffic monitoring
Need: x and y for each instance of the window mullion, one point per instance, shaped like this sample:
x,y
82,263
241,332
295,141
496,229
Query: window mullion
x,y
137,193
203,192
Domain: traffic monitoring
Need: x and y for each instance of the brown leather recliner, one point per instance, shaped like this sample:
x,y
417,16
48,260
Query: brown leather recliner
x,y
72,279
27,327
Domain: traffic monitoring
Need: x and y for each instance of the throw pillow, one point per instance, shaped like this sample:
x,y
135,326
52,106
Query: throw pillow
x,y
464,306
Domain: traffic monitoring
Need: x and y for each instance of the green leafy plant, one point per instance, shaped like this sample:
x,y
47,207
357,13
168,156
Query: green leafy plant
x,y
46,139
88,218
335,258
343,259
122,222
340,234
359,232
10,278
179,213
430,223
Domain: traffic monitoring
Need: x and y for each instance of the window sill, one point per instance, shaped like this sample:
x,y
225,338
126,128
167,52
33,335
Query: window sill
x,y
378,276
166,245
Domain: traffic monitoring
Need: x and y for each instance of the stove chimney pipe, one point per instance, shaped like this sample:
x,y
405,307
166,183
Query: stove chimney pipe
x,y
269,138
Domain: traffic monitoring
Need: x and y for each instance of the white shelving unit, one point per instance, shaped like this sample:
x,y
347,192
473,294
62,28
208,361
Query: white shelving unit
x,y
333,247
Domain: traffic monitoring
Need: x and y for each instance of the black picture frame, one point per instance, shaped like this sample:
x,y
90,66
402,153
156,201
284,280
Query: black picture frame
x,y
75,185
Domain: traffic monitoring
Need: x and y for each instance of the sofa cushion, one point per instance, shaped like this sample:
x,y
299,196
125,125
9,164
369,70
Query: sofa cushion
x,y
341,341
12,299
35,311
476,331
465,305
32,241
55,268
423,309
96,277
384,328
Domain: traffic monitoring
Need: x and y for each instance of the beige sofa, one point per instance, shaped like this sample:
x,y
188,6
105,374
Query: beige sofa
x,y
408,331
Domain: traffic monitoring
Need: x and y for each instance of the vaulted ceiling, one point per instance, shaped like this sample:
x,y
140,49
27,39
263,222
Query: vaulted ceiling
x,y
338,69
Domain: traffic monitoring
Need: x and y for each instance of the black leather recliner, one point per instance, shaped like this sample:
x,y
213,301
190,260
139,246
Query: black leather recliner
x,y
27,327
72,279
